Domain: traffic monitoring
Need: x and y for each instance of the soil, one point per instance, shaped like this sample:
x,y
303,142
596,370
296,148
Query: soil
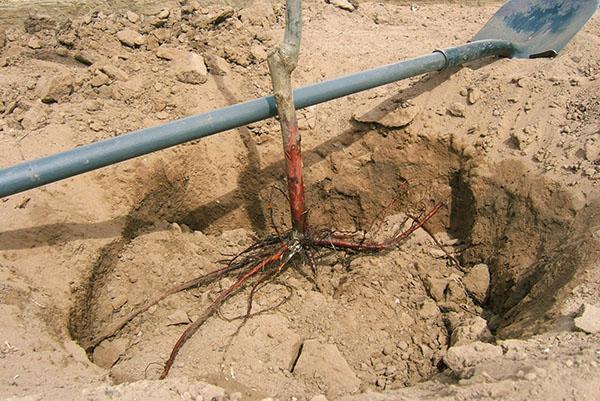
x,y
511,147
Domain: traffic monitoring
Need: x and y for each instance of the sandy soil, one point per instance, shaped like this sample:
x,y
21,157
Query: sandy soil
x,y
511,147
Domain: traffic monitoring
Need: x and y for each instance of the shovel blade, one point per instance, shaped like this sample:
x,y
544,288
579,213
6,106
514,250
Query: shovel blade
x,y
538,28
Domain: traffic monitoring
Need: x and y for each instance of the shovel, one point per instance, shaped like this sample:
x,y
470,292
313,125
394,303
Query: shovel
x,y
520,29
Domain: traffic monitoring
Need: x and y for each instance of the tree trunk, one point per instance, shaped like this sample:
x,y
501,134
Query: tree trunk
x,y
282,62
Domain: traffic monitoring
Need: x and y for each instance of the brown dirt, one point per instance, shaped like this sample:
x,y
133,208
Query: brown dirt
x,y
512,147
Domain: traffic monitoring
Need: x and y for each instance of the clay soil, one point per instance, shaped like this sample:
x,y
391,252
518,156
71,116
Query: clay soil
x,y
511,147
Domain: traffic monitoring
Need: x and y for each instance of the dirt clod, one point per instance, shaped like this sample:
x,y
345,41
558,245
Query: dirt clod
x,y
51,89
588,319
324,363
342,4
178,317
472,329
474,95
189,68
457,110
131,38
108,352
477,282
461,359
132,17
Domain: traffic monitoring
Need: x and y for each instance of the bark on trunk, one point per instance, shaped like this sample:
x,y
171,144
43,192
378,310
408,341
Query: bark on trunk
x,y
282,62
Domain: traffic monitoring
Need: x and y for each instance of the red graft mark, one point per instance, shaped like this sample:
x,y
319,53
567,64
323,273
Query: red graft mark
x,y
293,165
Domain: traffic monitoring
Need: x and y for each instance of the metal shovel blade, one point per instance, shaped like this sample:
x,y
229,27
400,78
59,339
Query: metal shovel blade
x,y
538,28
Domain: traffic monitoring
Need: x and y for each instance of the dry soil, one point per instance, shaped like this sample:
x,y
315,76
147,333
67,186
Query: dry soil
x,y
512,148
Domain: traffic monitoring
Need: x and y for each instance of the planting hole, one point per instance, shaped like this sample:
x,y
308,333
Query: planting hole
x,y
363,322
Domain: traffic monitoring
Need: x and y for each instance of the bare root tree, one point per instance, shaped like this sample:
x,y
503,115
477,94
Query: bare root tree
x,y
268,258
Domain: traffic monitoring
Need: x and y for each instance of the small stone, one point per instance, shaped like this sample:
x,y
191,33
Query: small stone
x,y
388,350
99,79
592,151
32,119
93,105
477,282
176,228
429,309
61,51
162,34
520,139
426,351
457,109
2,38
131,38
258,52
152,43
216,16
588,319
436,287
118,301
380,382
343,4
381,19
325,361
67,39
178,317
34,43
108,352
85,57
474,96
96,126
54,89
132,17
169,53
437,253
217,65
190,69
461,358
164,14
114,72
455,292
473,329
162,115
